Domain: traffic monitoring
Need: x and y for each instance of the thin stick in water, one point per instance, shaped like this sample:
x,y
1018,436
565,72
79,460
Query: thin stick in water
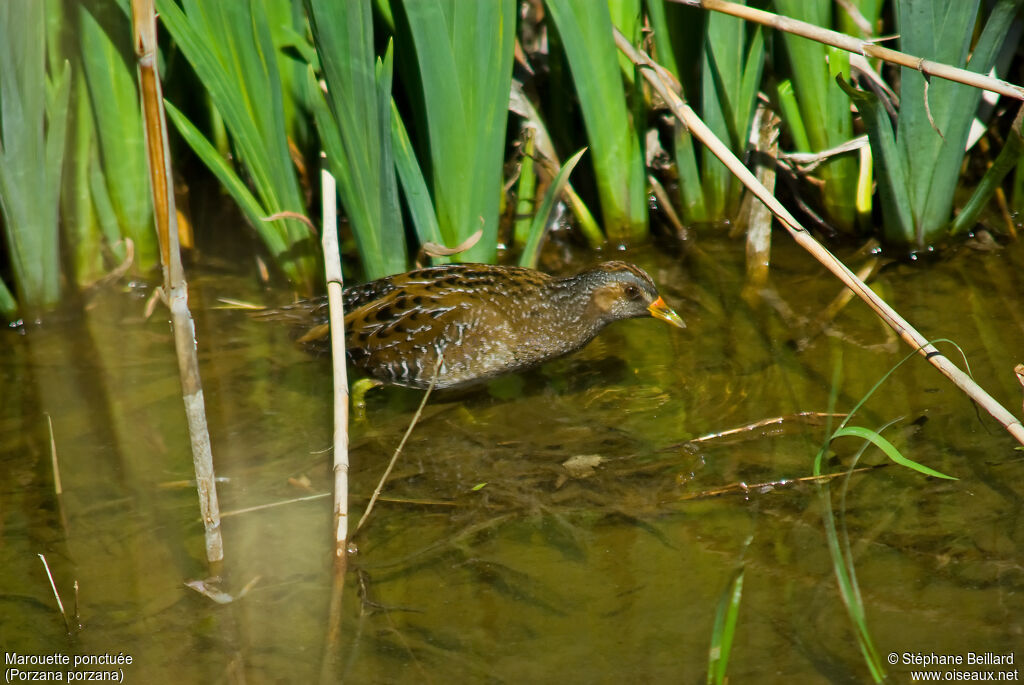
x,y
398,450
175,287
53,586
58,488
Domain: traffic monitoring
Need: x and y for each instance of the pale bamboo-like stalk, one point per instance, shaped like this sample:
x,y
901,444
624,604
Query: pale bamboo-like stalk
x,y
858,46
175,288
335,286
667,87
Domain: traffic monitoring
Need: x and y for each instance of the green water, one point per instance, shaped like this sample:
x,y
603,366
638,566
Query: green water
x,y
490,562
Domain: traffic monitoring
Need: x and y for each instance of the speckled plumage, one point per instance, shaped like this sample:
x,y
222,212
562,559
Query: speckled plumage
x,y
485,320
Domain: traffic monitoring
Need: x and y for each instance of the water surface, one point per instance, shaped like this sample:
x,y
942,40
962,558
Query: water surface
x,y
490,560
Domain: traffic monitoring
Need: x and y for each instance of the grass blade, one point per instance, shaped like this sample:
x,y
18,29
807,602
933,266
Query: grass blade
x,y
33,122
725,628
360,156
229,45
464,54
586,32
889,449
220,168
538,228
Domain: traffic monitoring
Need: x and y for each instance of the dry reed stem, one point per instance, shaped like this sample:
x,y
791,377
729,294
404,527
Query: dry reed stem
x,y
665,205
806,416
175,287
666,86
768,486
335,286
759,219
858,46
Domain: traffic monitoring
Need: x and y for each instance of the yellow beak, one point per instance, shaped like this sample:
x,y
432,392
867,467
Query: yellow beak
x,y
660,310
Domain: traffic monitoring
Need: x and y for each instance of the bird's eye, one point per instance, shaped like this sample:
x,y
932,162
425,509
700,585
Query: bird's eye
x,y
632,292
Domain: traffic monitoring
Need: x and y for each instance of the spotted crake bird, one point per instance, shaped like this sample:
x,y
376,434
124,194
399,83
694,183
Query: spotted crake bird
x,y
485,320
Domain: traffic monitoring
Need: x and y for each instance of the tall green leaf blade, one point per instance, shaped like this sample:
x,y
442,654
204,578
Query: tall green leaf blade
x,y
890,170
941,30
670,37
586,32
414,185
227,176
730,73
531,252
8,305
230,47
81,231
626,17
359,150
109,72
464,54
824,110
33,122
1009,157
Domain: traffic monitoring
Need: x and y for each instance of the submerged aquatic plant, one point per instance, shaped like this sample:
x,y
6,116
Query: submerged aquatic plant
x,y
839,545
725,628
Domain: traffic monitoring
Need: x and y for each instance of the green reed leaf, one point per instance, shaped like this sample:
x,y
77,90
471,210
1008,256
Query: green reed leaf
x,y
359,151
538,227
464,55
888,449
33,125
725,629
586,33
230,47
